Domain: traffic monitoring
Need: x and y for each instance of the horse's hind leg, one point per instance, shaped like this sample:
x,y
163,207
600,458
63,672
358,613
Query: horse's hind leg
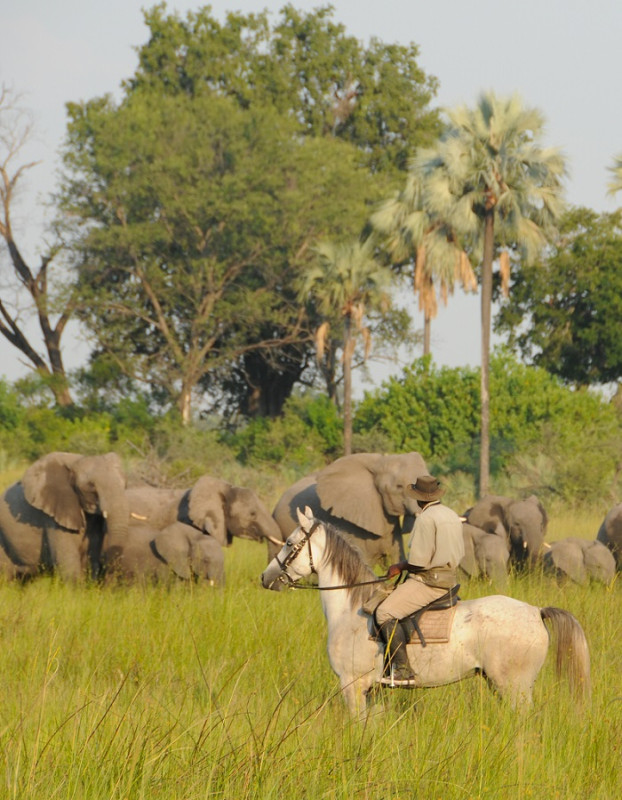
x,y
517,692
512,674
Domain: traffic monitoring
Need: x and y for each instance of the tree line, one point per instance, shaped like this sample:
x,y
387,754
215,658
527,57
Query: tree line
x,y
237,224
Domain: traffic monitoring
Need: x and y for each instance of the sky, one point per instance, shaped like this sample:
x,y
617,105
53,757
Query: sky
x,y
563,57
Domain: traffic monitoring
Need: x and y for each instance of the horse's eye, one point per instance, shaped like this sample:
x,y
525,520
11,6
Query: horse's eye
x,y
288,543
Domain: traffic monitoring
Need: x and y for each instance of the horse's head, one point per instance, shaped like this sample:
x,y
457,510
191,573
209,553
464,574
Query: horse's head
x,y
295,561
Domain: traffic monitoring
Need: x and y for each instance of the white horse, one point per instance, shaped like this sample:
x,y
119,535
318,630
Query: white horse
x,y
499,637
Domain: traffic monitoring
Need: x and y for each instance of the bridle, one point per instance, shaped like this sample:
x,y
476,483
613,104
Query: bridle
x,y
287,579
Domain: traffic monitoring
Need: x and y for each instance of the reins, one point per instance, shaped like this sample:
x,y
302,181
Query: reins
x,y
295,585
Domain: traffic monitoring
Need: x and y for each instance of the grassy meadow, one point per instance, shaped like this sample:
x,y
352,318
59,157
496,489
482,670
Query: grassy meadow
x,y
194,692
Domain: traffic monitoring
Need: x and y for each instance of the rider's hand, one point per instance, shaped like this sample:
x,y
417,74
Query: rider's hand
x,y
395,569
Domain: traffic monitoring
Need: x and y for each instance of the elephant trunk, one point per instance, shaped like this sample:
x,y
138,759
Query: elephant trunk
x,y
108,547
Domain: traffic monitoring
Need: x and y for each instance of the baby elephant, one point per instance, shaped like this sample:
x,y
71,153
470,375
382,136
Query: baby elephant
x,y
177,551
486,555
579,560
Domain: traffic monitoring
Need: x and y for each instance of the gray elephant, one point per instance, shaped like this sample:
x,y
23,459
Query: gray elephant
x,y
55,518
523,522
212,508
579,560
365,496
486,555
610,533
177,551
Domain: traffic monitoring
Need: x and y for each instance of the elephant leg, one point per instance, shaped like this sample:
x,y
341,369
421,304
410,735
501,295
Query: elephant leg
x,y
64,552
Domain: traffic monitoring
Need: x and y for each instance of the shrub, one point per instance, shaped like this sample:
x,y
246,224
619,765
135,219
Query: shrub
x,y
307,435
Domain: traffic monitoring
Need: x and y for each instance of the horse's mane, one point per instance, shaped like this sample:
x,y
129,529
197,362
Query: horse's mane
x,y
347,560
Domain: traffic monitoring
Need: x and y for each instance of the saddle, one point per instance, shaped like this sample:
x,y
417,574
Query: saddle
x,y
435,627
413,624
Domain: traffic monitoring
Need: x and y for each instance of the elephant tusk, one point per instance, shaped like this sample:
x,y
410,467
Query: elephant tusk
x,y
272,539
546,545
463,519
137,516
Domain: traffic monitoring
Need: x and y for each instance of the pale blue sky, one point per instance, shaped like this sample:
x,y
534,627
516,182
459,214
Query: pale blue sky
x,y
562,56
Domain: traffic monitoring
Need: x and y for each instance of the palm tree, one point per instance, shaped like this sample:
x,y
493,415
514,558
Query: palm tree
x,y
492,182
344,283
412,234
615,185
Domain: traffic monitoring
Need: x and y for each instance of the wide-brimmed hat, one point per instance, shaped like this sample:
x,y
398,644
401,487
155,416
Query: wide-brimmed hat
x,y
426,488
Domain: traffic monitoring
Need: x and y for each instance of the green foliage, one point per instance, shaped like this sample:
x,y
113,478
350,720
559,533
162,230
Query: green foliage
x,y
545,438
307,435
563,313
197,199
10,410
197,217
430,410
375,97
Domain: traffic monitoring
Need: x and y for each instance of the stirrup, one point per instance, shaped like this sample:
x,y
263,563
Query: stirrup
x,y
397,683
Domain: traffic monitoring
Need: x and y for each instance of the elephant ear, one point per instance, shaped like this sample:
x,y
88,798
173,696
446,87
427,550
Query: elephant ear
x,y
173,546
48,487
347,490
207,504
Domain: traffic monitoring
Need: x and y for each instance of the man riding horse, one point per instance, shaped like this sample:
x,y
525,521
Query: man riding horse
x,y
435,549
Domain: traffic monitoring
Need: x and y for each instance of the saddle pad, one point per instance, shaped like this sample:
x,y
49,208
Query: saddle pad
x,y
435,626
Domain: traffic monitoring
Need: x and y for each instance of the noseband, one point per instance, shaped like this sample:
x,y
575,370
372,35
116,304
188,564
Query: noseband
x,y
293,553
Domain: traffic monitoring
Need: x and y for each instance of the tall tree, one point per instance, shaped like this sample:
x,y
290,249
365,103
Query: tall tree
x,y
424,242
348,282
493,182
374,96
33,282
344,117
563,313
194,217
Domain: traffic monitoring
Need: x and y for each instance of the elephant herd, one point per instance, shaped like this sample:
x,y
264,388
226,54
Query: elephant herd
x,y
365,496
73,515
502,531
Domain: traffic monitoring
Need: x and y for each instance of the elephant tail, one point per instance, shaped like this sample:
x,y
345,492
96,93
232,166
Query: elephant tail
x,y
572,654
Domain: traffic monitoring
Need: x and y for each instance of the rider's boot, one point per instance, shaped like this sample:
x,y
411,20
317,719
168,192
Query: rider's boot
x,y
398,672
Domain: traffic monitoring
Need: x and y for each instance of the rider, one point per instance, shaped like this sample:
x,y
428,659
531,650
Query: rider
x,y
436,547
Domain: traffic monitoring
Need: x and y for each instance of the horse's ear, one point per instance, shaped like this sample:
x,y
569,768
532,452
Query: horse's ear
x,y
305,520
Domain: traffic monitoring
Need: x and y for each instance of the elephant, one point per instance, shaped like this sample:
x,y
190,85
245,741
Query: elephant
x,y
610,533
211,505
179,550
522,521
486,555
55,518
365,496
579,560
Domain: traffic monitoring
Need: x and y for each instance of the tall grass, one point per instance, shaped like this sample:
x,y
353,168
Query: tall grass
x,y
195,692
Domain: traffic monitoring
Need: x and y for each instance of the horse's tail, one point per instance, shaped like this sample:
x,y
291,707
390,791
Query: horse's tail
x,y
572,650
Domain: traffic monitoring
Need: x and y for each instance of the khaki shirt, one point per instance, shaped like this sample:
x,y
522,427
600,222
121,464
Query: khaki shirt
x,y
437,539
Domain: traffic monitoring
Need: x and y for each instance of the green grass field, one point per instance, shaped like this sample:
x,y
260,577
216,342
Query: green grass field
x,y
195,692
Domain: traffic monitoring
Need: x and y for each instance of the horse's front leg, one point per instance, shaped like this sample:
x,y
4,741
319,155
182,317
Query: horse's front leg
x,y
356,693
